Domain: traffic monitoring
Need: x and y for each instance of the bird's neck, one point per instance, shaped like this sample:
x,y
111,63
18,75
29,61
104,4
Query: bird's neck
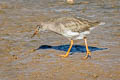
x,y
47,26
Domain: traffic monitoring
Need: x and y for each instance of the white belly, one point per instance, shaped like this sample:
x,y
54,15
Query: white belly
x,y
82,35
76,35
69,33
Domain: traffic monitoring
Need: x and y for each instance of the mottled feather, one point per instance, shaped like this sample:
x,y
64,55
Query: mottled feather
x,y
70,27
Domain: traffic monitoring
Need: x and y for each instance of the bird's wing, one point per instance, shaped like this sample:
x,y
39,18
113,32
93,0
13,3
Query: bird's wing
x,y
56,33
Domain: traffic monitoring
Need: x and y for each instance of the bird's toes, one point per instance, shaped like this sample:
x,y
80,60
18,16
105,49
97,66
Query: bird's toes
x,y
86,57
32,50
63,56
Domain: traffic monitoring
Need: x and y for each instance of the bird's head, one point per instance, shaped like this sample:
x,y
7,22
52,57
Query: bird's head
x,y
38,29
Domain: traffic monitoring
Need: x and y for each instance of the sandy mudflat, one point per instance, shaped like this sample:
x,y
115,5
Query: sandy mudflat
x,y
18,19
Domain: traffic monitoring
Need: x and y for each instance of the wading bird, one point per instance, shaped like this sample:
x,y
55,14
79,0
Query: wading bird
x,y
70,27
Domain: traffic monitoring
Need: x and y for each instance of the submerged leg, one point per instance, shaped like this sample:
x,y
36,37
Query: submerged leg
x,y
88,53
66,55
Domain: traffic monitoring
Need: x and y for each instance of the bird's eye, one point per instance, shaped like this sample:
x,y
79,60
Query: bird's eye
x,y
39,26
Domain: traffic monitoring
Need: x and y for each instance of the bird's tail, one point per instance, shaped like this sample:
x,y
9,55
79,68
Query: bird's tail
x,y
96,23
101,23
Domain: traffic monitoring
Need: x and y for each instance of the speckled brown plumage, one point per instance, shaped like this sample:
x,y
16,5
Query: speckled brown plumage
x,y
71,28
73,24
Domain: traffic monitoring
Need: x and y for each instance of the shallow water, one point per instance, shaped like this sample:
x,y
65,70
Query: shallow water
x,y
18,19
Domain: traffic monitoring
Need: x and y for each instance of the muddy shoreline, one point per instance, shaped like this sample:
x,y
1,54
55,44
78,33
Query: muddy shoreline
x,y
18,19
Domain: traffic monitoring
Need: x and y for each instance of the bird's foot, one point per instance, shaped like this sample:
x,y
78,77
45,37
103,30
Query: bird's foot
x,y
32,50
88,55
64,56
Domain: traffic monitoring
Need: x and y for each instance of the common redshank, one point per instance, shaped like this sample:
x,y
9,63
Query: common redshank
x,y
73,28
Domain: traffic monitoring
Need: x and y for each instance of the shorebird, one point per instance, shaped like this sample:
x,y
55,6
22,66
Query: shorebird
x,y
70,27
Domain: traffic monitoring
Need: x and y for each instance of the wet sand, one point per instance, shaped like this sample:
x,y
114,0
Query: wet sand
x,y
18,19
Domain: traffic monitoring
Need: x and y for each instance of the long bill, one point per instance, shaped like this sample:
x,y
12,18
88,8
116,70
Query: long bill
x,y
35,32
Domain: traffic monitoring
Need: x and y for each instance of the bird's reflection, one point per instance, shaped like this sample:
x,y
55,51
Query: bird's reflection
x,y
75,48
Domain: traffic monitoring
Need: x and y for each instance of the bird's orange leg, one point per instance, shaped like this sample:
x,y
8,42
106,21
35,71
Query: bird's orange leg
x,y
66,55
88,53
